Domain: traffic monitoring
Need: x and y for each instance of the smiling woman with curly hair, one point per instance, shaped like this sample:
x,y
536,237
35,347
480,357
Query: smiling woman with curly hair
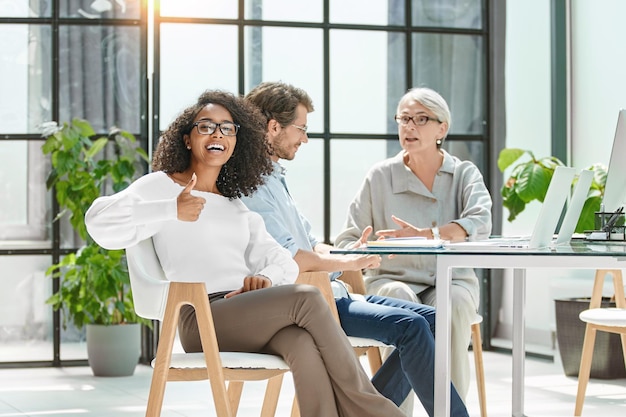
x,y
202,232
242,173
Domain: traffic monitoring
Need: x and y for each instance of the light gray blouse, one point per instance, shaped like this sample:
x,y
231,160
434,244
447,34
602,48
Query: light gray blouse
x,y
459,195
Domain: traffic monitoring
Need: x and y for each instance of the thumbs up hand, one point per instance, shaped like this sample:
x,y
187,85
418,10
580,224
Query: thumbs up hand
x,y
189,206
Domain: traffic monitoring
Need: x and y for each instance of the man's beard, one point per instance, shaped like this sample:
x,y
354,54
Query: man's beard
x,y
279,150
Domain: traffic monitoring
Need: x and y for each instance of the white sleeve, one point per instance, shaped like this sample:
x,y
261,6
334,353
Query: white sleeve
x,y
266,257
124,219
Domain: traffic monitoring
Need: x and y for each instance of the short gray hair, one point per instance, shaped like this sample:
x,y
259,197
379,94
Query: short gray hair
x,y
430,99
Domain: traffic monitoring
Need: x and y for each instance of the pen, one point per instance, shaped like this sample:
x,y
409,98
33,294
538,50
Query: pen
x,y
609,224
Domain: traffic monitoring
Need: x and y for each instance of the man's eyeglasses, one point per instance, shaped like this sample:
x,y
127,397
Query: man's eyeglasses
x,y
303,129
419,120
206,127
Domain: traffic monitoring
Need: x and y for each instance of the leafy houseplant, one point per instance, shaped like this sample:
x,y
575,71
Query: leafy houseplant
x,y
529,180
95,286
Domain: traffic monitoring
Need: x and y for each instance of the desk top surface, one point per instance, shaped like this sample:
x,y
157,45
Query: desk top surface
x,y
574,248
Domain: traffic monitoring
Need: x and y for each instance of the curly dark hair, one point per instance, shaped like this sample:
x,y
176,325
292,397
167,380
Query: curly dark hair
x,y
244,171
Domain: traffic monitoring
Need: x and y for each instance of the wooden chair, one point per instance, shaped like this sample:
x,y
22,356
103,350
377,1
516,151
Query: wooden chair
x,y
159,299
355,280
612,320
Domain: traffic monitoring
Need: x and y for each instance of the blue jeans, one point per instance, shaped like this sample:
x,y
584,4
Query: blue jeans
x,y
410,327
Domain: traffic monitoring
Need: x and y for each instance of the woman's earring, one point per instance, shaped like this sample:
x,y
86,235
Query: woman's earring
x,y
188,147
439,141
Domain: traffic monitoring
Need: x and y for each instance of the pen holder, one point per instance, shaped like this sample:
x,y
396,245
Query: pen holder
x,y
618,230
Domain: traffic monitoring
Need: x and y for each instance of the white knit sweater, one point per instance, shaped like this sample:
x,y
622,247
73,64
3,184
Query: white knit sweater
x,y
227,243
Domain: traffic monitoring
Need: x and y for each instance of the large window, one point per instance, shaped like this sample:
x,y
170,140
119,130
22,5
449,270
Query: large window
x,y
355,58
61,59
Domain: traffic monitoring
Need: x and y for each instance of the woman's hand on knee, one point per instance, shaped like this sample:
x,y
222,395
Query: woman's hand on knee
x,y
251,283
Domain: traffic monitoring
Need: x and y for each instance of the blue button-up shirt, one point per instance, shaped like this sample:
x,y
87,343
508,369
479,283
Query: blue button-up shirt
x,y
282,218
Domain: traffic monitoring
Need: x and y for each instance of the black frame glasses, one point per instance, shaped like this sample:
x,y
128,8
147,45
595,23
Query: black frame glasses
x,y
209,127
418,120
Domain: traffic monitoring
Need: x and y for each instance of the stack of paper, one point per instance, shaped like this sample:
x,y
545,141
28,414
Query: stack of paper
x,y
406,242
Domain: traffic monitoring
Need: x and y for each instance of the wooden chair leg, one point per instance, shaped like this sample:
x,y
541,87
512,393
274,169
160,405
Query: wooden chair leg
x,y
295,408
162,361
270,402
234,395
375,360
477,347
585,367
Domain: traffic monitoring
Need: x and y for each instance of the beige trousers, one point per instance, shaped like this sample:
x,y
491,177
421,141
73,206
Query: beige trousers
x,y
294,322
463,314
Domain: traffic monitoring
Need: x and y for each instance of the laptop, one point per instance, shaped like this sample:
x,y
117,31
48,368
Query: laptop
x,y
576,204
545,226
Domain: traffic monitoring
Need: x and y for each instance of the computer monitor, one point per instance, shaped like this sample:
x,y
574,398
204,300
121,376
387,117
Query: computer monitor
x,y
615,189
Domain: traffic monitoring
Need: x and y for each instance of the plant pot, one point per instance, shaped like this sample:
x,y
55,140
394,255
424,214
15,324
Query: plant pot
x,y
608,360
113,350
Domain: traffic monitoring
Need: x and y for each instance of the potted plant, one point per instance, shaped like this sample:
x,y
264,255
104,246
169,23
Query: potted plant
x,y
528,181
94,289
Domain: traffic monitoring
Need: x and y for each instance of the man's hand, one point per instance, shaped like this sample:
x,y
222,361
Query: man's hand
x,y
363,261
189,207
406,230
251,283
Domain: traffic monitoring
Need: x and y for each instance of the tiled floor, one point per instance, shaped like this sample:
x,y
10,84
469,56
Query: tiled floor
x,y
73,391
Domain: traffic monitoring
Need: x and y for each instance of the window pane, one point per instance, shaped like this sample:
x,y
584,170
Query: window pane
x,y
215,9
24,8
25,77
101,9
369,12
365,83
284,10
305,179
25,207
454,66
468,151
187,72
448,13
100,76
350,161
302,66
13,182
25,319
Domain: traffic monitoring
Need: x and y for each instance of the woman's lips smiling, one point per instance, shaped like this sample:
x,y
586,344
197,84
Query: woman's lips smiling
x,y
215,147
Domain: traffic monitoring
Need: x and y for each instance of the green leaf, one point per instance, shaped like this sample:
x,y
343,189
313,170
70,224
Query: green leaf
x,y
586,221
508,156
515,205
97,146
532,183
83,127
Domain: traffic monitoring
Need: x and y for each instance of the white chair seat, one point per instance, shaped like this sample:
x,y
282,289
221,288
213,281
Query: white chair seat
x,y
230,360
365,342
605,316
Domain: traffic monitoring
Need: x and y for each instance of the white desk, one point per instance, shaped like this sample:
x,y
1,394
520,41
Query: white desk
x,y
579,255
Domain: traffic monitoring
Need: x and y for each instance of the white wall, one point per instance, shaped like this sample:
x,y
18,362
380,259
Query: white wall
x,y
598,77
598,91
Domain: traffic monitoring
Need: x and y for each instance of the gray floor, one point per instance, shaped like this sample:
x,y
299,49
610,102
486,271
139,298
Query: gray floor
x,y
73,391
